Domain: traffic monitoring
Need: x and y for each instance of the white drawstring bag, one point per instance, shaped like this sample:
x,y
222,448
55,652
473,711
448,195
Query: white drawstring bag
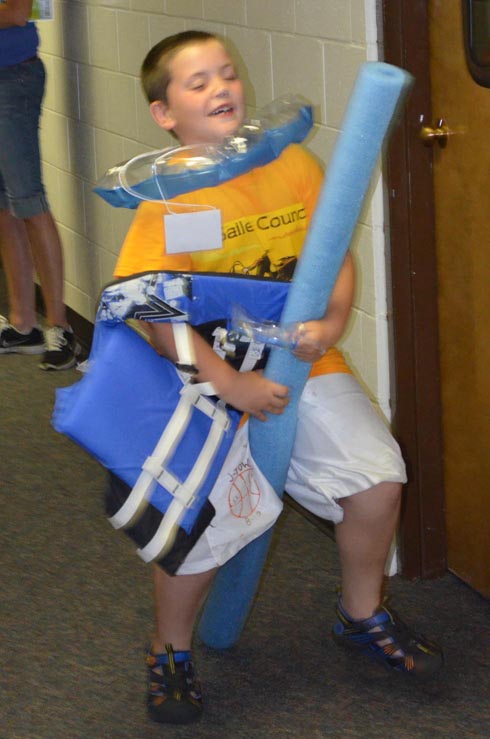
x,y
246,506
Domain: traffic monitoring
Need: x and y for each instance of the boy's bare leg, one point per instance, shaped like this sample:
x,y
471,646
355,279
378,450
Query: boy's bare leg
x,y
364,538
47,254
19,271
177,603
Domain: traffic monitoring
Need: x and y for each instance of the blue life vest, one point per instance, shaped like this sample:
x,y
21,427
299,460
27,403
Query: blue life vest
x,y
119,409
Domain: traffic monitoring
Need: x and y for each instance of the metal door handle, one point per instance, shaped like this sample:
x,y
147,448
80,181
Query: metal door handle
x,y
439,133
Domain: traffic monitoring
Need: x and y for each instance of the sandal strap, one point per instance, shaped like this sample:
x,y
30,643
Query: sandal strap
x,y
164,659
381,617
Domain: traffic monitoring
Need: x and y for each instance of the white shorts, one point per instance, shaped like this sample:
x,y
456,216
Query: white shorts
x,y
342,447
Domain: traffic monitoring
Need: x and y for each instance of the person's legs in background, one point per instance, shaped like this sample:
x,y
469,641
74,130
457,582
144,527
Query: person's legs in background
x,y
19,333
19,272
47,255
62,348
29,238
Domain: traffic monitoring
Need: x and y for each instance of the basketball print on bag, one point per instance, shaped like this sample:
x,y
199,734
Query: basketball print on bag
x,y
244,491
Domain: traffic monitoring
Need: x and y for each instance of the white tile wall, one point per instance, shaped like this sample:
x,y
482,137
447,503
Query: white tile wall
x,y
297,66
103,44
226,11
274,15
150,6
54,139
95,115
341,63
75,29
358,21
185,8
133,34
252,50
62,95
329,20
164,25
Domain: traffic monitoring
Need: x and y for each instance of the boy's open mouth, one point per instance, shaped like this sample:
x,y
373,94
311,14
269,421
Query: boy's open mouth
x,y
223,110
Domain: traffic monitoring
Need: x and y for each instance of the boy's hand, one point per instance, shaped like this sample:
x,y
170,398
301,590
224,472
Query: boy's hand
x,y
316,337
311,341
252,393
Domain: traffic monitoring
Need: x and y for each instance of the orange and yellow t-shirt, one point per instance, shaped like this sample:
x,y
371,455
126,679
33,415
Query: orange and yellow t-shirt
x,y
265,215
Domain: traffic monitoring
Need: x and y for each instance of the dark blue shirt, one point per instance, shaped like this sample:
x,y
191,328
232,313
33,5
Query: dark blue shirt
x,y
18,44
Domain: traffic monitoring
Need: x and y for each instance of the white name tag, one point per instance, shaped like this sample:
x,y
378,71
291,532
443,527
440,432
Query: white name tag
x,y
196,231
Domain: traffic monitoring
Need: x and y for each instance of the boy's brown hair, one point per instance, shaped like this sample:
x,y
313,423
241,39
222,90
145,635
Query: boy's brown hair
x,y
155,70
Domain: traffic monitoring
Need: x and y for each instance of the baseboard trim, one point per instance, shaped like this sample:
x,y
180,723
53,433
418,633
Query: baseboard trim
x,y
83,328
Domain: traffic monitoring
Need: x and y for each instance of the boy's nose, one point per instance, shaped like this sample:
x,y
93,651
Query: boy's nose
x,y
221,88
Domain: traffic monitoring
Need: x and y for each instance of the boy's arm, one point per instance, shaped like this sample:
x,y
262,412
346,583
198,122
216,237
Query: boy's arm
x,y
250,392
15,13
316,337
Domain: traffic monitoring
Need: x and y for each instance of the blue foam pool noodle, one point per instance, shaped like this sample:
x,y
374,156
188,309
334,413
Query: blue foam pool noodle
x,y
377,95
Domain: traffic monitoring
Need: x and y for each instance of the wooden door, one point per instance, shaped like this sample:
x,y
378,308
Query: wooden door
x,y
462,228
439,222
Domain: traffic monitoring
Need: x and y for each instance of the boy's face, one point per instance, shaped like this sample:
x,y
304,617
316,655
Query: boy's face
x,y
205,101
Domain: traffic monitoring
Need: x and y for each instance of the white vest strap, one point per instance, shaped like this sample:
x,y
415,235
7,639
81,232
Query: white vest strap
x,y
154,470
184,495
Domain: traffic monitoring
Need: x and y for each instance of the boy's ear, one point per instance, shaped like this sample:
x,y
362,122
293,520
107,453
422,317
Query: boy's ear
x,y
161,114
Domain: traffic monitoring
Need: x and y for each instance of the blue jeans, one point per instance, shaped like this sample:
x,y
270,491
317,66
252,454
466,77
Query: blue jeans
x,y
21,93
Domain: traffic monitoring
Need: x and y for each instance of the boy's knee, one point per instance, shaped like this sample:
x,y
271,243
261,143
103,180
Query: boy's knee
x,y
388,492
391,489
383,498
389,500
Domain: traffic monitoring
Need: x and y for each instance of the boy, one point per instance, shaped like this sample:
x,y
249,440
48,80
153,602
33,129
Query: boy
x,y
345,465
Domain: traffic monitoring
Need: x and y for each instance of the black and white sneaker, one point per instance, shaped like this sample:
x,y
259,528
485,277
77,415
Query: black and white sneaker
x,y
62,349
16,342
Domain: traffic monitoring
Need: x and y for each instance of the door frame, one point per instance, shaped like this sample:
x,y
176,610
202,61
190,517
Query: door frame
x,y
417,417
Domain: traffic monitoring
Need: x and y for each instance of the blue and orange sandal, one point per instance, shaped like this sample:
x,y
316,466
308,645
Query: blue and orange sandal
x,y
385,638
174,694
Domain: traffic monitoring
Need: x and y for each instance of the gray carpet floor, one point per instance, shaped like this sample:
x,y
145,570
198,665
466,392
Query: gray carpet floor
x,y
76,611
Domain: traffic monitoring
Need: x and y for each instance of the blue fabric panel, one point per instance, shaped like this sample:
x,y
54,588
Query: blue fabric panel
x,y
208,297
117,411
214,299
